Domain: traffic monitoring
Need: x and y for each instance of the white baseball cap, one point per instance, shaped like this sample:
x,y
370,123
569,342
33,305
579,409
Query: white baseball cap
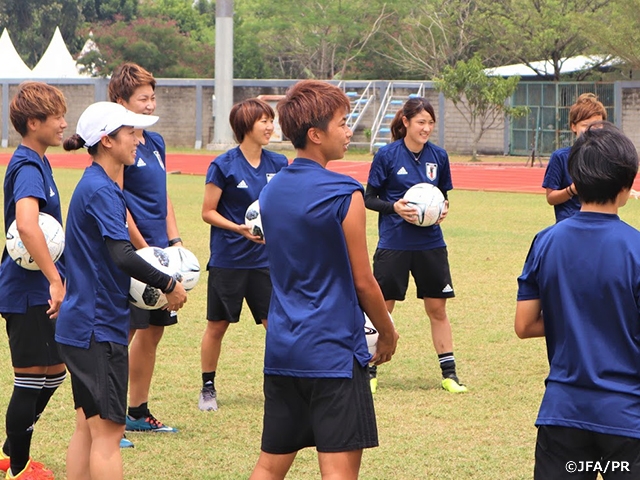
x,y
102,118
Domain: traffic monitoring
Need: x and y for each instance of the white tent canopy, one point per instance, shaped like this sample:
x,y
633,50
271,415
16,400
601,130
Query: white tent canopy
x,y
11,65
56,62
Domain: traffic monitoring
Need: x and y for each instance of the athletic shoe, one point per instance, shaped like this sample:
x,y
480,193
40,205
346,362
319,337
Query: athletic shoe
x,y
208,399
31,472
373,378
126,443
148,424
5,464
452,385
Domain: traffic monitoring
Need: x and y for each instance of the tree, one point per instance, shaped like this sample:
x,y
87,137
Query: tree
x,y
194,18
480,99
312,38
101,10
429,35
623,41
155,43
531,30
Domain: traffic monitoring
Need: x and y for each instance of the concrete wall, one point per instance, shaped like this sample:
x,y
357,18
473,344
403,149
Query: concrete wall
x,y
180,102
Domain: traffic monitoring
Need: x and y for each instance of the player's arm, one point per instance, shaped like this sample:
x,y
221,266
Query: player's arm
x,y
374,202
172,223
210,214
27,212
556,197
367,288
529,320
124,256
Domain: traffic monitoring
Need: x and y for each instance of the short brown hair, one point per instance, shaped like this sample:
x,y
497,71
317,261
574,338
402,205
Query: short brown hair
x,y
245,114
35,100
126,78
309,104
586,106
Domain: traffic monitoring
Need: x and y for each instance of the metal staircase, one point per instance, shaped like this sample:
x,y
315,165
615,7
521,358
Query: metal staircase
x,y
392,101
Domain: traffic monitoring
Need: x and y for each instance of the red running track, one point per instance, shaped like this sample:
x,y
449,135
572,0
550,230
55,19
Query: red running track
x,y
466,176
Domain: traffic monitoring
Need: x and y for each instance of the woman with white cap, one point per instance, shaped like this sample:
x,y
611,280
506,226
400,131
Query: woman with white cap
x,y
93,323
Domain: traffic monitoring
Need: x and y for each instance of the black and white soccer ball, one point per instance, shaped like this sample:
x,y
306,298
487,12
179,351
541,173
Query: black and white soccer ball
x,y
428,200
186,263
252,219
53,235
145,296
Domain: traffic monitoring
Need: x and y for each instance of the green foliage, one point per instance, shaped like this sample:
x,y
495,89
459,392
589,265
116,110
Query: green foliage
x,y
155,43
101,10
480,98
196,20
531,30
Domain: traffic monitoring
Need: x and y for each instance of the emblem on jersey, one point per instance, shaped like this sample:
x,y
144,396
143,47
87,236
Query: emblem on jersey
x,y
157,154
51,192
141,162
432,171
243,184
270,176
402,171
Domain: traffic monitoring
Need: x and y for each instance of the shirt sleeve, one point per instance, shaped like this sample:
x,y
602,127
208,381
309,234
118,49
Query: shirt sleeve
x,y
109,211
444,182
528,287
216,176
28,182
378,170
553,175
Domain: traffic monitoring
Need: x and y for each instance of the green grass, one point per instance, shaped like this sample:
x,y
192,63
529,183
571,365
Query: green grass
x,y
424,431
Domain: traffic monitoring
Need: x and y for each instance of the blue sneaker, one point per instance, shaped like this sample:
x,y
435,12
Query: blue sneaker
x,y
126,443
148,424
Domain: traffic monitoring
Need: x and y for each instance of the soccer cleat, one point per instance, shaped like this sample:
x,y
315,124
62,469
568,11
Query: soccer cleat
x,y
126,443
148,424
32,471
208,399
5,464
452,385
373,378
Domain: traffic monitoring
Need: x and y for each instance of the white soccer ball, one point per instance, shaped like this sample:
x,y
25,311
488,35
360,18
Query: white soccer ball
x,y
186,263
428,200
371,334
145,296
53,235
253,220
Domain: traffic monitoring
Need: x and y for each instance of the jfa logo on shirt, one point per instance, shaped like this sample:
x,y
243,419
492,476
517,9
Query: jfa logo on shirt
x,y
432,171
270,176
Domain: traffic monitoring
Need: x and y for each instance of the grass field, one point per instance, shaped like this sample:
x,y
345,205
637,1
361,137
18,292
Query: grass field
x,y
424,431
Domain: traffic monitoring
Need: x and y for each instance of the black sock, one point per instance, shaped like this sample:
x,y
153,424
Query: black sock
x,y
140,411
51,384
209,379
448,365
21,415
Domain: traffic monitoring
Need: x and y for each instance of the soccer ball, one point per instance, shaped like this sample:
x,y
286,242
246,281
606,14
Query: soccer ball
x,y
186,263
145,296
428,200
371,334
53,235
252,219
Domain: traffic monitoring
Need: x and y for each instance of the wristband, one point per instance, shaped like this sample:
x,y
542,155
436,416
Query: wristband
x,y
568,190
172,286
173,241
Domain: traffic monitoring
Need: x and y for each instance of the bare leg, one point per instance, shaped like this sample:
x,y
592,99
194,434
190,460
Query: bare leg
x,y
440,326
105,461
272,467
79,450
340,465
211,345
142,361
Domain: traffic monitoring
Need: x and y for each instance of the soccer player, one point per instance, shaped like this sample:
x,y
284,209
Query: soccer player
x,y
404,247
238,266
561,192
93,324
152,222
315,375
30,300
579,289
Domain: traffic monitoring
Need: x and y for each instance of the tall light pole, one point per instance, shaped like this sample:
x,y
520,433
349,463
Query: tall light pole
x,y
222,134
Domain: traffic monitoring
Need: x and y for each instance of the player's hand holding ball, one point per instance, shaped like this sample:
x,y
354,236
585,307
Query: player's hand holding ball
x,y
408,212
443,215
176,298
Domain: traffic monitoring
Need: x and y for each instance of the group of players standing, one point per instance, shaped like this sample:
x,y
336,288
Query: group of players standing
x,y
317,373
